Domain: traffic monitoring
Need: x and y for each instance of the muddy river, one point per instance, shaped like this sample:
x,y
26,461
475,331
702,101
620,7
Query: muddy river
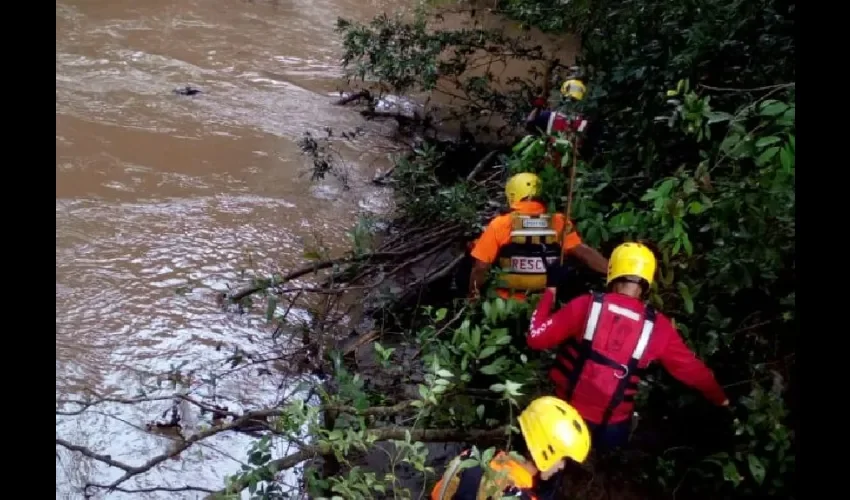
x,y
156,192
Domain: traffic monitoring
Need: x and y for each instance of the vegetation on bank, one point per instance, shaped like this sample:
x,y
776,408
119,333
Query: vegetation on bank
x,y
693,148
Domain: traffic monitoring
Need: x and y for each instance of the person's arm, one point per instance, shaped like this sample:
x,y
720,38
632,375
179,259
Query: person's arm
x,y
683,364
591,258
484,253
537,121
575,246
477,277
550,330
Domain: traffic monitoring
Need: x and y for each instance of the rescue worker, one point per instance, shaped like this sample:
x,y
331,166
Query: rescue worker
x,y
551,431
513,242
545,121
605,341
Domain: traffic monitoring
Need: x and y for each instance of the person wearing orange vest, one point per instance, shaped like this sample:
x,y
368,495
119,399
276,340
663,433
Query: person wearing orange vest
x,y
606,341
512,241
552,432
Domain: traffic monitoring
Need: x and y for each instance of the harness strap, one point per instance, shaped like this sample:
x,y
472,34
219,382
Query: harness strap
x,y
584,348
584,352
449,474
640,348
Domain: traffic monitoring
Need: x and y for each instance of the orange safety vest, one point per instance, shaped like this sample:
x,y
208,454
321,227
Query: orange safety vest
x,y
513,479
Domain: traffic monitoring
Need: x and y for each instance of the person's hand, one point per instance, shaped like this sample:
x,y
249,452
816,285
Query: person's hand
x,y
556,272
539,102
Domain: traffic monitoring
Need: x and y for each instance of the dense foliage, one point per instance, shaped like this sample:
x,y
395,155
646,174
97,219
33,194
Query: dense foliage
x,y
694,151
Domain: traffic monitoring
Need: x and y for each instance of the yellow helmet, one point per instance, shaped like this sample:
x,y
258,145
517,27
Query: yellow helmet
x,y
553,430
521,186
573,89
632,259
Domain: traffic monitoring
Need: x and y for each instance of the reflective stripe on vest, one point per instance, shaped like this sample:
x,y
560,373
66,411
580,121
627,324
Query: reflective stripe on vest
x,y
559,122
442,486
521,258
584,352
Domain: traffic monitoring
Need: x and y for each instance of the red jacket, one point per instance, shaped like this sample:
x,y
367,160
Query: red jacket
x,y
665,345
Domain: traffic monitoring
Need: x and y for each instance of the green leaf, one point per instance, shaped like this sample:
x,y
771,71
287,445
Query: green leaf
x,y
487,352
767,141
494,368
685,292
729,143
487,310
487,455
772,107
756,468
686,244
786,158
440,314
475,338
696,208
503,340
469,462
513,388
717,116
523,143
730,473
650,195
767,155
445,373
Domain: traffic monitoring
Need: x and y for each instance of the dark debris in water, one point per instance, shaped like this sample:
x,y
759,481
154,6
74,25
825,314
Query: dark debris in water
x,y
187,90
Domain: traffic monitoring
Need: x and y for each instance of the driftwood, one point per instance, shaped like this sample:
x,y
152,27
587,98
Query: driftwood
x,y
352,344
363,94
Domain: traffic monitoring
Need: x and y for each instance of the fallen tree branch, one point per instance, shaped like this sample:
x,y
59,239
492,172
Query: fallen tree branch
x,y
363,94
154,489
753,89
87,404
431,278
481,165
178,448
350,346
382,434
106,459
312,268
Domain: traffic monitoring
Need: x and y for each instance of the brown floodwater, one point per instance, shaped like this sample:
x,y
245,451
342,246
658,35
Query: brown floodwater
x,y
156,192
